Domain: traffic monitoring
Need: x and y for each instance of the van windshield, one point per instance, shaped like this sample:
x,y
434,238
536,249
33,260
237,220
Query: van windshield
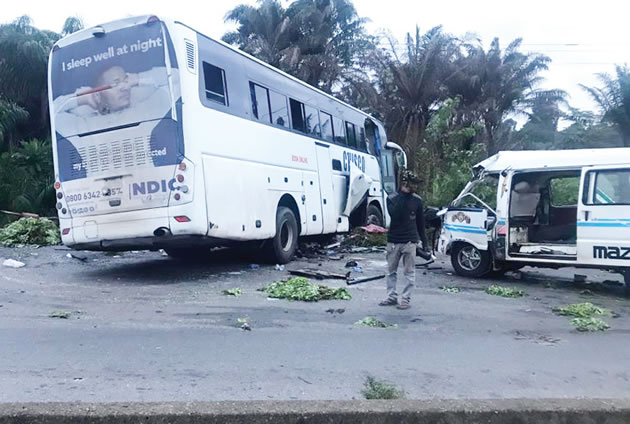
x,y
485,189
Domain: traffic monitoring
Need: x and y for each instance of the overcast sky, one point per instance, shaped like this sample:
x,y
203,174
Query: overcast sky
x,y
582,37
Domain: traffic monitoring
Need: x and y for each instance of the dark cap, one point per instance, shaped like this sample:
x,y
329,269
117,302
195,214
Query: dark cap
x,y
409,178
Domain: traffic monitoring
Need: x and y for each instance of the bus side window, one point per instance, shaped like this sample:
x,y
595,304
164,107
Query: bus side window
x,y
214,78
297,115
260,102
362,142
351,134
312,121
279,109
338,132
327,131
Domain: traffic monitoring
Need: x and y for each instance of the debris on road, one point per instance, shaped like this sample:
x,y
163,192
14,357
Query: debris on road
x,y
504,291
299,288
279,267
374,323
254,266
353,281
12,263
232,292
581,310
363,238
335,311
447,289
60,314
73,256
375,389
589,324
319,274
30,231
351,264
244,324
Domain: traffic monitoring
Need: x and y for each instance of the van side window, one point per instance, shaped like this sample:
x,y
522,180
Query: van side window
x,y
312,121
612,187
563,191
297,115
279,109
351,134
214,78
260,102
327,131
338,133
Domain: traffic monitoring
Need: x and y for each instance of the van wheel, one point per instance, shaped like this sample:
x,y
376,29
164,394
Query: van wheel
x,y
282,247
374,216
468,261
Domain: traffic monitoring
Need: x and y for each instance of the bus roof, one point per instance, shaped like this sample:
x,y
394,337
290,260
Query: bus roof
x,y
547,159
291,77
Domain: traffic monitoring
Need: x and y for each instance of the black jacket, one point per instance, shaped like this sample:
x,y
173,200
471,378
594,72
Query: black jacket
x,y
407,214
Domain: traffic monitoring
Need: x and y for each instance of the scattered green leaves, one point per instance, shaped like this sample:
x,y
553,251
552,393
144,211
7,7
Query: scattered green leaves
x,y
373,322
581,310
590,324
447,289
232,292
361,238
60,314
504,291
299,288
30,231
375,389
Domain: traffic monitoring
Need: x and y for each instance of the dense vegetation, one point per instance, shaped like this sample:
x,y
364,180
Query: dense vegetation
x,y
448,100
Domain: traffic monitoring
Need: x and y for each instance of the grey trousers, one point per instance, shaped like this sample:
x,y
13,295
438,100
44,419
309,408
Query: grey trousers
x,y
396,251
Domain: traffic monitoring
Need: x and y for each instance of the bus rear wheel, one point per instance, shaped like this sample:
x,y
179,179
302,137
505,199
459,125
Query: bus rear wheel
x,y
284,244
468,261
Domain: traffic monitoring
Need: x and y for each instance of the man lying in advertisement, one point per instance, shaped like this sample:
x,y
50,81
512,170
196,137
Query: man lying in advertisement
x,y
118,98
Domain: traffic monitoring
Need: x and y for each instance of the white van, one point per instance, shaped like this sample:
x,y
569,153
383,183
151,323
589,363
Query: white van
x,y
542,208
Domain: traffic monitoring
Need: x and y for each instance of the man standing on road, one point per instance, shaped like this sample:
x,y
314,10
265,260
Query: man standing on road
x,y
405,230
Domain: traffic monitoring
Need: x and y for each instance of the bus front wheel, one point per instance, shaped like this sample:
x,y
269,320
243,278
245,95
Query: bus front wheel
x,y
284,244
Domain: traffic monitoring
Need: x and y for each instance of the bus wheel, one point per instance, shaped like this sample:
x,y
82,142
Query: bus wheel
x,y
374,216
468,261
285,242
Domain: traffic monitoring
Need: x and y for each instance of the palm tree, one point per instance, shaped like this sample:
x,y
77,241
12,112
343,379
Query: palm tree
x,y
23,68
11,115
494,84
614,100
72,24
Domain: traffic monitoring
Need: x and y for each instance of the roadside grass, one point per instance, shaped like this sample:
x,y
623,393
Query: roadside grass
x,y
504,291
584,316
299,288
447,289
376,389
232,292
374,323
590,324
581,310
30,231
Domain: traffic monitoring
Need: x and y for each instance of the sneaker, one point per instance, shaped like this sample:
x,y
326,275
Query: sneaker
x,y
404,304
390,301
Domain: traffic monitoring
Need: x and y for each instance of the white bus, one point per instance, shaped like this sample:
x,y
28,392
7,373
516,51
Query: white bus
x,y
166,138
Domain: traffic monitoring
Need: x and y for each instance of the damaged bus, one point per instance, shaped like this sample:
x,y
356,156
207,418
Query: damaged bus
x,y
166,138
542,208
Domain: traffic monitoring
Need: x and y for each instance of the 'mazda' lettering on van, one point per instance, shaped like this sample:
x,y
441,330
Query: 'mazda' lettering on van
x,y
151,187
611,252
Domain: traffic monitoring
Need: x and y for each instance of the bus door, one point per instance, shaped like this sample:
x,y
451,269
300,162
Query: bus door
x,y
328,201
603,228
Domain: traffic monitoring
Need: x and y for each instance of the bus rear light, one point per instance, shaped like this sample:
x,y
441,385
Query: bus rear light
x,y
184,189
153,19
59,205
65,231
59,195
180,178
64,211
501,230
57,185
182,218
177,196
182,166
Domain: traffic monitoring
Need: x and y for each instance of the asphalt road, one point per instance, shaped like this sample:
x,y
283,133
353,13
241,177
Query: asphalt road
x,y
144,327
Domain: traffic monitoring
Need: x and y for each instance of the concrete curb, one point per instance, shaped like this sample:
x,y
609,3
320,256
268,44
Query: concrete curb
x,y
513,411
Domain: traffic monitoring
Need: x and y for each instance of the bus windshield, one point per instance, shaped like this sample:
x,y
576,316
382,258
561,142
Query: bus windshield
x,y
110,81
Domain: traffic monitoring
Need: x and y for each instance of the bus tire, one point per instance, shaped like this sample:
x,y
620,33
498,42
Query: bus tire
x,y
468,261
283,245
374,216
